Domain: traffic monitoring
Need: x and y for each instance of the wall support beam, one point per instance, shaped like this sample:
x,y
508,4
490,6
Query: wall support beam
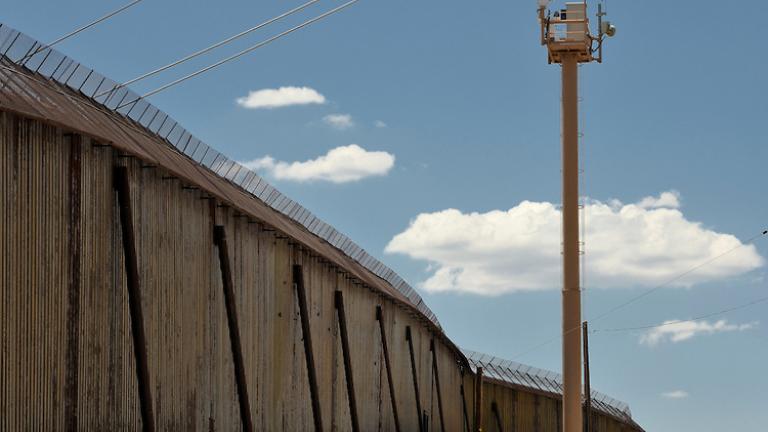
x,y
495,410
436,373
385,348
227,283
409,338
298,282
339,303
122,185
73,282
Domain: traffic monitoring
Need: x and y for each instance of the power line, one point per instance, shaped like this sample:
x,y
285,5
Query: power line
x,y
698,318
81,29
632,300
241,53
208,49
680,276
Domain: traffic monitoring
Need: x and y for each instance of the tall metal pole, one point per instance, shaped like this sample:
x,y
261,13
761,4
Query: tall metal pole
x,y
572,418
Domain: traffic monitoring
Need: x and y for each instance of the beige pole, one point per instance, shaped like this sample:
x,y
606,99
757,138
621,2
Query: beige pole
x,y
572,414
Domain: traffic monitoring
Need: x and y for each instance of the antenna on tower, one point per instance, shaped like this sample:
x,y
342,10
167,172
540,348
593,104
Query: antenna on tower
x,y
567,31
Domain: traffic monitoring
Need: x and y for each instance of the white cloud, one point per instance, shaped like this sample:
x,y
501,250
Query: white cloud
x,y
675,394
642,244
281,97
379,124
675,331
340,165
669,199
339,121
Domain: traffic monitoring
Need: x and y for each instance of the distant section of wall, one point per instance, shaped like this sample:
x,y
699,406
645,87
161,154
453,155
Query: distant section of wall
x,y
521,409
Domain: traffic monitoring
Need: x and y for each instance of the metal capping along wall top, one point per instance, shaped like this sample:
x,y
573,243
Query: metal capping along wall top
x,y
511,372
47,62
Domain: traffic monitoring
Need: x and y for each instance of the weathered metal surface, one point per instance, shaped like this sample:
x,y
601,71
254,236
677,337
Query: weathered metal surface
x,y
479,399
73,289
464,406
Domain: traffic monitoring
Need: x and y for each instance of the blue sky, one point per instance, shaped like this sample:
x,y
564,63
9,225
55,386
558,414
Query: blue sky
x,y
472,119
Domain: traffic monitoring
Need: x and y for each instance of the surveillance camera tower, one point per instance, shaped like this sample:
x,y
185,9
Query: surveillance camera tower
x,y
566,35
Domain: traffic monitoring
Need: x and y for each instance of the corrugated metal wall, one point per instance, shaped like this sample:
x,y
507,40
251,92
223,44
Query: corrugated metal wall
x,y
67,348
522,411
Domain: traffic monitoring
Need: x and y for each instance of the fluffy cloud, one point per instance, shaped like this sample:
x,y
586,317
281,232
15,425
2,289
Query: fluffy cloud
x,y
281,97
669,199
339,121
675,394
379,124
340,165
675,331
642,244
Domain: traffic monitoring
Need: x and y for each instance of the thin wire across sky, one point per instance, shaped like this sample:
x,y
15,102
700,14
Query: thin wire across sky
x,y
624,304
209,48
241,53
80,29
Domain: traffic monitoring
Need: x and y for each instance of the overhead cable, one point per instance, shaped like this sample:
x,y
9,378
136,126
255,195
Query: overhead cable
x,y
675,322
680,276
632,300
210,48
241,53
81,29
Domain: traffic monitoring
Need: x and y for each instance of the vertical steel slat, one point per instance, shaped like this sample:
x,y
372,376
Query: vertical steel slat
x,y
220,239
298,282
464,404
73,289
385,347
122,186
479,400
436,373
409,338
495,410
339,303
513,422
